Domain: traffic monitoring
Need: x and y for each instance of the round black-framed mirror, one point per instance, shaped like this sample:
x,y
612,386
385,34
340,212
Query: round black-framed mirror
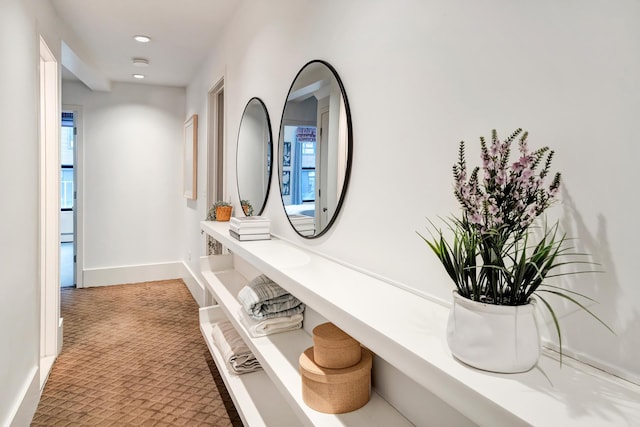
x,y
315,149
254,153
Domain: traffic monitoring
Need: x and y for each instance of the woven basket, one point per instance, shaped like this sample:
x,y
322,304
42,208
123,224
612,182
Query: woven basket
x,y
223,213
333,348
335,391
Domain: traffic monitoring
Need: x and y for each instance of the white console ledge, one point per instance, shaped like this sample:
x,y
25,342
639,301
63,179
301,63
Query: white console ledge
x,y
409,332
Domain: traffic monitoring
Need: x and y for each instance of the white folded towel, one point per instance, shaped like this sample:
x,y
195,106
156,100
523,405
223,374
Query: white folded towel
x,y
275,325
233,349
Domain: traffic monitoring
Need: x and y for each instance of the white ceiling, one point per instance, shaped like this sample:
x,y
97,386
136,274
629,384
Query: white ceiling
x,y
182,33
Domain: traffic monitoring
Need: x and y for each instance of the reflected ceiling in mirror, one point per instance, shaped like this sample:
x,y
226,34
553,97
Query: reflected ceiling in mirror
x,y
314,149
253,157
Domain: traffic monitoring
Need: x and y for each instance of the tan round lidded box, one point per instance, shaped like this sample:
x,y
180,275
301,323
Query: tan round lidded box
x,y
333,348
335,391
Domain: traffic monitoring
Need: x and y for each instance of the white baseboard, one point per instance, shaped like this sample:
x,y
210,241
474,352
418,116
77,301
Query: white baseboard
x,y
132,274
195,285
46,364
27,401
146,273
60,334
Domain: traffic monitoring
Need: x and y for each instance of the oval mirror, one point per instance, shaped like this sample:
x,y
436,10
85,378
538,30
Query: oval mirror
x,y
253,157
315,148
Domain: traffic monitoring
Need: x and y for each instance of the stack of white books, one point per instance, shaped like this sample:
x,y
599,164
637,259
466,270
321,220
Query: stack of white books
x,y
250,228
304,224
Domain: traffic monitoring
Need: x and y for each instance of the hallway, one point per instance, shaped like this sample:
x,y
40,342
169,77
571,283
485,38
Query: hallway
x,y
133,355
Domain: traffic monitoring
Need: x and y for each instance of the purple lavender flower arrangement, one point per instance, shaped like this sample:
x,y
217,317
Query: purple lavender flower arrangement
x,y
491,257
510,196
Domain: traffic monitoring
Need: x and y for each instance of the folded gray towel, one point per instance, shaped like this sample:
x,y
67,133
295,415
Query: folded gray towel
x,y
262,299
262,315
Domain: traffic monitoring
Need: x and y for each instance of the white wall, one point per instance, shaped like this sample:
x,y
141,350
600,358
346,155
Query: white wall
x,y
21,22
19,300
132,182
422,75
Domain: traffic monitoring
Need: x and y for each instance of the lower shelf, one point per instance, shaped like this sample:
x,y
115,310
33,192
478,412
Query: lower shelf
x,y
279,354
256,399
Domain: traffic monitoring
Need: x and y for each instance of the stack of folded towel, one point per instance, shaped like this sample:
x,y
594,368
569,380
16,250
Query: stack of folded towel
x,y
268,309
233,349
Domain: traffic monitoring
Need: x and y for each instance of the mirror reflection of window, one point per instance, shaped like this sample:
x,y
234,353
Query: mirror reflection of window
x,y
299,167
314,149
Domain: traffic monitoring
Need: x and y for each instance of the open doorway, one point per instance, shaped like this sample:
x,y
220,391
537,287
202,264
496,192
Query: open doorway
x,y
68,135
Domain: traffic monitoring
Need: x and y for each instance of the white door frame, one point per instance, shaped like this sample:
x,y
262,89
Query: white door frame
x,y
78,223
216,188
216,166
324,198
49,236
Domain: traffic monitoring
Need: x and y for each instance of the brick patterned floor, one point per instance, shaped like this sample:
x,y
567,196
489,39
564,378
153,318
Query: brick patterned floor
x,y
133,355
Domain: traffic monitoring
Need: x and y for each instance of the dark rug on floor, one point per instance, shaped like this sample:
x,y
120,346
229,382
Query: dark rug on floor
x,y
133,355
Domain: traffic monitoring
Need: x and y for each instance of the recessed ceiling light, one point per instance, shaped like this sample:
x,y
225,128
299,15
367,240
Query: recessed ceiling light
x,y
138,76
140,62
142,38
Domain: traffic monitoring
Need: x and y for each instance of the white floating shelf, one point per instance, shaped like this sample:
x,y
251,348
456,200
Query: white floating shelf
x,y
409,332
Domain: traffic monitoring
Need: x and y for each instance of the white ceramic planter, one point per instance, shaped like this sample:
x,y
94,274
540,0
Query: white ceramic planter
x,y
493,338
